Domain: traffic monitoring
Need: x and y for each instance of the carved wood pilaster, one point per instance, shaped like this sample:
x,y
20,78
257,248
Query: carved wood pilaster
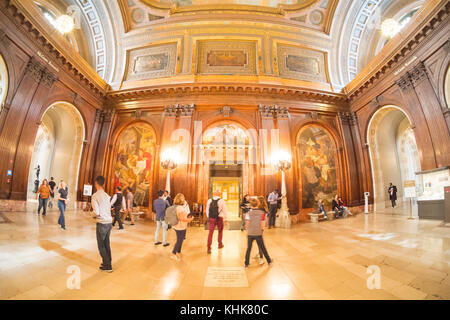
x,y
348,118
34,69
418,74
178,110
274,111
404,82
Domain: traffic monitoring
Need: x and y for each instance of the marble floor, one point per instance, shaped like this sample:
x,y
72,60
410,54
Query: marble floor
x,y
328,260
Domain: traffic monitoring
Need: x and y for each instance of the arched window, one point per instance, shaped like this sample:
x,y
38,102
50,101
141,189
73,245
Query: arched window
x,y
3,82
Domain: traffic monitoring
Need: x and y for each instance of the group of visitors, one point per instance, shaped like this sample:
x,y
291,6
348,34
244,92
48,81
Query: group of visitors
x,y
120,202
340,210
46,194
176,215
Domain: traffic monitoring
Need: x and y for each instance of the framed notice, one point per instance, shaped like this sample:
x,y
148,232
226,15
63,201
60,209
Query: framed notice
x,y
87,190
409,189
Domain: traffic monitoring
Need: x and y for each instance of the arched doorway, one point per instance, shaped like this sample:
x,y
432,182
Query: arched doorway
x,y
58,147
134,161
447,87
393,154
318,178
227,157
3,82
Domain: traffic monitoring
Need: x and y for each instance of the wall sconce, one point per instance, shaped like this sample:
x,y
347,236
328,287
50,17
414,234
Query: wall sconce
x,y
169,162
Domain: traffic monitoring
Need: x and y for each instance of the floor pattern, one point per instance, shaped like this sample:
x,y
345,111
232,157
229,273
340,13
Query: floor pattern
x,y
328,260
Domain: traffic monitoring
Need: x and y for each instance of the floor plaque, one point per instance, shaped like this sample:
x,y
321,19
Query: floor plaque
x,y
226,277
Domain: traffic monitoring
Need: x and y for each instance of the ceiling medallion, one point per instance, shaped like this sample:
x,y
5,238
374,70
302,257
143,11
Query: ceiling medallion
x,y
316,17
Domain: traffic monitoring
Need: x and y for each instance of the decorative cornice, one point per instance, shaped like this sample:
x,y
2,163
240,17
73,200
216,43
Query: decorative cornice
x,y
178,110
175,90
274,111
77,67
396,51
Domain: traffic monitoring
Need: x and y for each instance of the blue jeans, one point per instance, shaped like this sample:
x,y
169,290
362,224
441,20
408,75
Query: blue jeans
x,y
62,208
180,238
42,204
164,226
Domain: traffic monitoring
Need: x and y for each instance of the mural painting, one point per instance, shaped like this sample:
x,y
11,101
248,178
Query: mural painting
x,y
222,58
317,167
134,159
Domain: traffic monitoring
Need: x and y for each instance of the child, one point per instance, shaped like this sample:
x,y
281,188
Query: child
x,y
321,209
255,223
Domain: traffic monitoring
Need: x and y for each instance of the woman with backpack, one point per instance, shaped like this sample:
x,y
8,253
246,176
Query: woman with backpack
x,y
180,226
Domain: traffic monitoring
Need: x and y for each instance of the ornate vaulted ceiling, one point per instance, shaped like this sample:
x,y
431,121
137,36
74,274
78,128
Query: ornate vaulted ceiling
x,y
315,44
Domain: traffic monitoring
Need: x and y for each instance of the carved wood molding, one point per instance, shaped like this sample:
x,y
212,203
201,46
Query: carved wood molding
x,y
178,110
413,77
348,118
401,52
26,26
274,112
267,91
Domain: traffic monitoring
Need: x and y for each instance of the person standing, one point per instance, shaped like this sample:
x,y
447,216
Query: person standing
x,y
255,223
392,194
62,203
52,185
168,197
181,226
118,202
130,205
216,212
160,205
44,195
244,209
273,207
101,203
338,211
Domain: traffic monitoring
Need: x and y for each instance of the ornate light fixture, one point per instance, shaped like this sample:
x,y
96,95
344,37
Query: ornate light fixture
x,y
390,27
169,162
64,23
282,162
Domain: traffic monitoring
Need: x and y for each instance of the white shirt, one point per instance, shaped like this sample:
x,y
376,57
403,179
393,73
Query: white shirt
x,y
101,202
222,207
114,199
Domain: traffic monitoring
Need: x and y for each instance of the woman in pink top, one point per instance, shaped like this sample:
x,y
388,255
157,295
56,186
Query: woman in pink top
x,y
180,227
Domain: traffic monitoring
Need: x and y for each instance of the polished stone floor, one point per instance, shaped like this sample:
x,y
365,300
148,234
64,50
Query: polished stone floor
x,y
329,260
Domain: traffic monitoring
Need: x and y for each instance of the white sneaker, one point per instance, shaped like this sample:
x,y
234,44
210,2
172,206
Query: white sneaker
x,y
261,261
174,257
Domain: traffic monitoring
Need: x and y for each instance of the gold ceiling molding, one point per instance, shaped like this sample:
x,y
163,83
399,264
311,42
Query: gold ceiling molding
x,y
174,8
175,90
53,44
428,18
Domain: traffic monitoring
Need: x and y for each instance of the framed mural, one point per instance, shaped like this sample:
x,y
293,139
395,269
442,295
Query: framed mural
x,y
134,161
317,166
155,61
226,57
301,63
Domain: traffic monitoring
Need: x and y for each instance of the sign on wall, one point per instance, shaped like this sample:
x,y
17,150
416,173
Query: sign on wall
x,y
87,190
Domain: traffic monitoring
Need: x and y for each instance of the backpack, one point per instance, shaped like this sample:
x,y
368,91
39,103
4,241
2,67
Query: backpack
x,y
171,216
214,209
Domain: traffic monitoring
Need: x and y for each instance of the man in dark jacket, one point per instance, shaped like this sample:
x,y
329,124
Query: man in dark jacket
x,y
392,194
160,205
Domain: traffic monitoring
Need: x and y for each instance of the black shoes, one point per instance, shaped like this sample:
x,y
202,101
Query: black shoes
x,y
106,268
157,243
166,244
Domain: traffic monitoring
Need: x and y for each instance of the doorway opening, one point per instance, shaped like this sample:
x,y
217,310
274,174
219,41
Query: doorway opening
x,y
57,149
227,178
394,156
